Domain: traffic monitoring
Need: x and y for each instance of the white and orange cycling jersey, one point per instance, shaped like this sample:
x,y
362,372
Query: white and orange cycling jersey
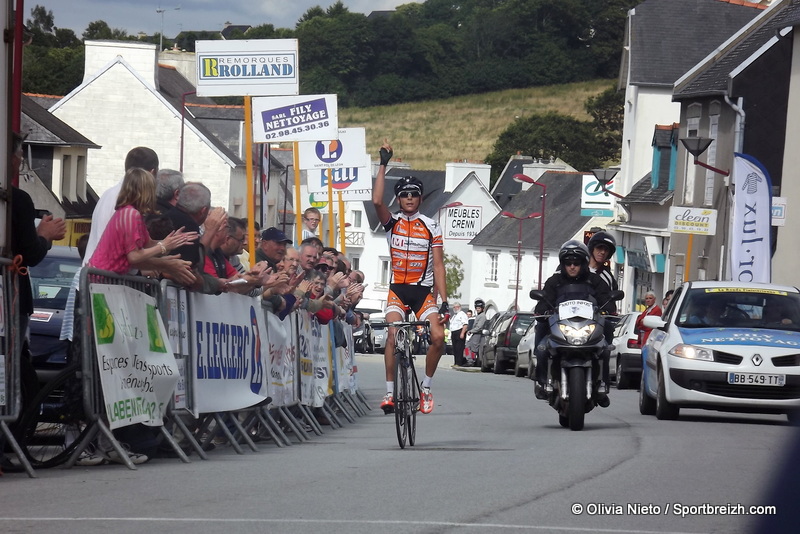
x,y
411,243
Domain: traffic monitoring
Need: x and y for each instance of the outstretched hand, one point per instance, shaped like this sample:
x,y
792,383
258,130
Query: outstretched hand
x,y
386,152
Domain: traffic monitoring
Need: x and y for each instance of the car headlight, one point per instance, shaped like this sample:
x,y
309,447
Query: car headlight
x,y
692,352
576,336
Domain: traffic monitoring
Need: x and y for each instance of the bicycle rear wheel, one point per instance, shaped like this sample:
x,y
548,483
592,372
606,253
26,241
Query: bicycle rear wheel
x,y
51,427
401,397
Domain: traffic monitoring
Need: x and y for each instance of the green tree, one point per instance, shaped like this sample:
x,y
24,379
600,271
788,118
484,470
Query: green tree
x,y
607,111
548,135
100,29
454,275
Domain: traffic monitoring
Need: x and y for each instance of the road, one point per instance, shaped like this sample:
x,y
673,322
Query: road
x,y
488,459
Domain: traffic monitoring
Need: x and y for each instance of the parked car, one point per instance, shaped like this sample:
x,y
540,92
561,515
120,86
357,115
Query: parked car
x,y
626,356
50,282
526,359
725,346
378,332
499,348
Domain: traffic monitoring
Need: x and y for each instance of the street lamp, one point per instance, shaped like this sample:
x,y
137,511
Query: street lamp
x,y
161,11
604,177
696,146
509,215
528,180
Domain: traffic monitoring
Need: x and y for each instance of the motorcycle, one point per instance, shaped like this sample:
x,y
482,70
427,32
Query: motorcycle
x,y
575,345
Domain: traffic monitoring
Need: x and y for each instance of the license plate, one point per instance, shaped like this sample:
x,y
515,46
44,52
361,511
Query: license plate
x,y
756,379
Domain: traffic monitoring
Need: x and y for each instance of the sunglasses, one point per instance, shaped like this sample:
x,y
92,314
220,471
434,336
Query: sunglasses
x,y
572,263
409,194
324,267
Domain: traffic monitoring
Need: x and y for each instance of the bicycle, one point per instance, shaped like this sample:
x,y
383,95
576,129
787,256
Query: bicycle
x,y
406,383
53,424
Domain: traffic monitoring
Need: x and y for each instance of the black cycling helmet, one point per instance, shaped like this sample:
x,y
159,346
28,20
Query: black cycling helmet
x,y
479,302
603,238
408,184
573,250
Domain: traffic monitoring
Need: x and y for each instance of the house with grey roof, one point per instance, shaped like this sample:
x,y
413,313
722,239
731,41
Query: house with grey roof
x,y
663,40
54,168
743,97
496,246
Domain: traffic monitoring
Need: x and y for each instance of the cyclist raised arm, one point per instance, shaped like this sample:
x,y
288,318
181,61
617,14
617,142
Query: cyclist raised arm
x,y
418,273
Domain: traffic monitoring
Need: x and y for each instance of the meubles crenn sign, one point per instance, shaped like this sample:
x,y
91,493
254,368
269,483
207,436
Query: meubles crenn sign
x,y
255,67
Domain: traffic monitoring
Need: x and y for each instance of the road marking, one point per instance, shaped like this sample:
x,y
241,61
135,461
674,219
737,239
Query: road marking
x,y
340,522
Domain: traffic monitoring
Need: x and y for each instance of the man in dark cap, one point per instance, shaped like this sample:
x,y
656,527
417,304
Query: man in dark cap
x,y
272,248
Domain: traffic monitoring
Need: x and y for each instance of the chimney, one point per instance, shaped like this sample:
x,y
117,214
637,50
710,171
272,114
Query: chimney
x,y
456,171
540,166
140,56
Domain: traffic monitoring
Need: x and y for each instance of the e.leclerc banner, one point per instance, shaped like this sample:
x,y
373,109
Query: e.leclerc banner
x,y
229,348
751,247
138,372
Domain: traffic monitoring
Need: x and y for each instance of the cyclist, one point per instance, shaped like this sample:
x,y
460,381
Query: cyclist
x,y
418,274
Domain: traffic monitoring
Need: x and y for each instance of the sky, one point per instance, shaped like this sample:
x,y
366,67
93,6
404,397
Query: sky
x,y
134,16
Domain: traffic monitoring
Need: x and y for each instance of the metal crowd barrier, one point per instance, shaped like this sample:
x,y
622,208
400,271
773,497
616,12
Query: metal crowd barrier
x,y
290,415
10,354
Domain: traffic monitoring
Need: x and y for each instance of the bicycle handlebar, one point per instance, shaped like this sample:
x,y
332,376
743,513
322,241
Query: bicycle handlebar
x,y
402,324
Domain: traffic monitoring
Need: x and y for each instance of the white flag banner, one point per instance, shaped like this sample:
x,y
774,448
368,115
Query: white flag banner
x,y
750,243
137,368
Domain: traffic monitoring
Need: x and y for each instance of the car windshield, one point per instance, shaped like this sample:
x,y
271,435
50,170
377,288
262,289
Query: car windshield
x,y
51,280
740,308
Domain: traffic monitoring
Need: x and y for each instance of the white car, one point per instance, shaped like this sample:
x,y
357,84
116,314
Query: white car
x,y
626,356
724,346
526,359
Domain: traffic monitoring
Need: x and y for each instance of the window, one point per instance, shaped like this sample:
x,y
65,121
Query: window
x,y
711,159
355,262
491,273
692,130
385,272
357,218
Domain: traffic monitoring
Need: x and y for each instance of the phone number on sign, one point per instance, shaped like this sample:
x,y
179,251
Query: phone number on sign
x,y
296,130
678,509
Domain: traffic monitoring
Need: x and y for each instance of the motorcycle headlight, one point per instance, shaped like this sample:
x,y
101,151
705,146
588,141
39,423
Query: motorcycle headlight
x,y
692,352
576,336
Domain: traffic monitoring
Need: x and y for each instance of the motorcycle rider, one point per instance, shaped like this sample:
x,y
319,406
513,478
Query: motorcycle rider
x,y
573,280
602,246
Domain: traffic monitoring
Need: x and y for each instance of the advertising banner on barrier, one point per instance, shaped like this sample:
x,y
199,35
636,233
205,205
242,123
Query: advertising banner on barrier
x,y
178,331
315,360
228,345
344,361
137,368
282,360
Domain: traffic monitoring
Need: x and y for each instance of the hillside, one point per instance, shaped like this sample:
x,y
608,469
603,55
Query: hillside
x,y
429,134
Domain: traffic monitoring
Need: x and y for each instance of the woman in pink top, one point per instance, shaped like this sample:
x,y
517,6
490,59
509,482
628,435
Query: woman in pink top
x,y
125,246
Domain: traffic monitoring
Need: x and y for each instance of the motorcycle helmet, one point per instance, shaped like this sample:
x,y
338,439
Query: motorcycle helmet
x,y
480,303
603,238
408,184
573,250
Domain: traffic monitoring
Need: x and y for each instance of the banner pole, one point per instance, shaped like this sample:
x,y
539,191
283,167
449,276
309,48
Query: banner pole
x,y
331,231
688,258
298,229
249,179
342,247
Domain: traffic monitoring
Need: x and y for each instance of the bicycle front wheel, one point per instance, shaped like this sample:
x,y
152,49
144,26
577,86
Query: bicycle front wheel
x,y
51,427
401,398
413,405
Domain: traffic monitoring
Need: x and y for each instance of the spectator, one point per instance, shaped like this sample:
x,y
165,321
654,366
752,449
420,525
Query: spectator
x,y
227,244
651,308
476,331
458,333
142,157
273,247
125,245
311,220
168,188
309,257
667,298
244,257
